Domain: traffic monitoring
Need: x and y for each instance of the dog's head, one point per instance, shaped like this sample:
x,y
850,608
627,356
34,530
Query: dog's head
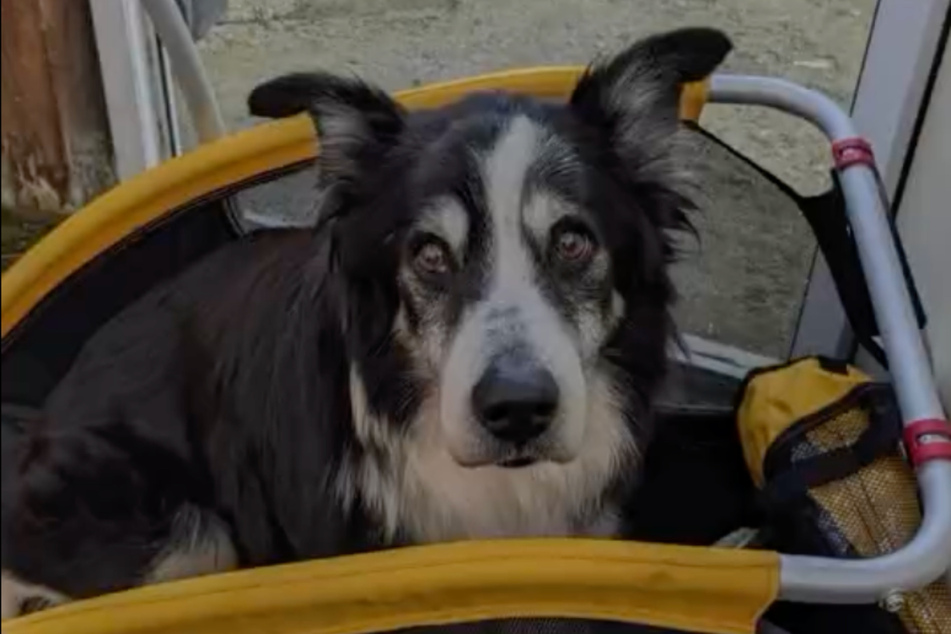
x,y
506,258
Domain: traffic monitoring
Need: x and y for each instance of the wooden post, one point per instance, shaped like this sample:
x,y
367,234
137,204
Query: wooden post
x,y
56,151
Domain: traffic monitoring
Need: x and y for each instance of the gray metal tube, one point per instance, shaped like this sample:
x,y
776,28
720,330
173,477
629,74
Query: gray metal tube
x,y
175,35
928,556
908,362
920,562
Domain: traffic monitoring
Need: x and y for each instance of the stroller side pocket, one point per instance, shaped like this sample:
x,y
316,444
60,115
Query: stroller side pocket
x,y
822,441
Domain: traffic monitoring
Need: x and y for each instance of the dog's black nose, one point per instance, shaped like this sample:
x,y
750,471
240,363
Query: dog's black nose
x,y
515,401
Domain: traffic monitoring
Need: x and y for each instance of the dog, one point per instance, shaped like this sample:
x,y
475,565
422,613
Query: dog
x,y
466,345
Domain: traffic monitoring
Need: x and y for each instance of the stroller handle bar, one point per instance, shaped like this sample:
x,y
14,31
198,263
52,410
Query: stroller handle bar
x,y
928,556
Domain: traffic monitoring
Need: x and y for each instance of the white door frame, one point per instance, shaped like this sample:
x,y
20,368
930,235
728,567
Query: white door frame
x,y
137,98
901,52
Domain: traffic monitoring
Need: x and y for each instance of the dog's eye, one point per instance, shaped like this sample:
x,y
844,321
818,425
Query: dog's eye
x,y
573,244
432,257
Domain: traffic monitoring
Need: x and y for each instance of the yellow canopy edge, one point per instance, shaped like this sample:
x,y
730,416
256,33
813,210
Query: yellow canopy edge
x,y
692,589
151,195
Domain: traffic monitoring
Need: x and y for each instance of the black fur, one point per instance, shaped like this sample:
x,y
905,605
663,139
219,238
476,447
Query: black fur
x,y
226,389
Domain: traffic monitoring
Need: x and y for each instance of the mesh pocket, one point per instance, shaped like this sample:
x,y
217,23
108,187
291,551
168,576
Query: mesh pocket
x,y
837,485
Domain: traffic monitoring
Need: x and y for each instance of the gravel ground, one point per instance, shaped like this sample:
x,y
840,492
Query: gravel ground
x,y
744,283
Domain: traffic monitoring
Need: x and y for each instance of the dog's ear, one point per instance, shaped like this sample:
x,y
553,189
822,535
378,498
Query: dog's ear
x,y
633,100
636,94
355,121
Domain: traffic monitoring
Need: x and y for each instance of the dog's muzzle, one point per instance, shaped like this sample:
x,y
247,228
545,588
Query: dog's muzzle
x,y
515,400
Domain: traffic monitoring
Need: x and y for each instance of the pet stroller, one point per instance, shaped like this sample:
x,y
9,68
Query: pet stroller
x,y
853,525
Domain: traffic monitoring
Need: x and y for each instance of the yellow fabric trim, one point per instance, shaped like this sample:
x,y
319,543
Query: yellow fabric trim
x,y
695,589
144,199
693,98
776,399
546,82
151,195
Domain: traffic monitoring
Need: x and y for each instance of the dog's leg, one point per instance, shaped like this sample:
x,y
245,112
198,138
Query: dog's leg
x,y
20,597
198,544
93,513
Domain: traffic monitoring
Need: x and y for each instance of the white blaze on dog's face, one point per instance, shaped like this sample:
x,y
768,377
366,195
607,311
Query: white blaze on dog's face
x,y
513,363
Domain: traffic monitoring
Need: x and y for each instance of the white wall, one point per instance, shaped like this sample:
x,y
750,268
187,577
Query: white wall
x,y
924,221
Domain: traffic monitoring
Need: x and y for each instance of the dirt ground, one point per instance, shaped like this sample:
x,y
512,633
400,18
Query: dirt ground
x,y
399,43
743,283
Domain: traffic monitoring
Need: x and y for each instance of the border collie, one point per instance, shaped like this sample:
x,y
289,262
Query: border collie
x,y
465,346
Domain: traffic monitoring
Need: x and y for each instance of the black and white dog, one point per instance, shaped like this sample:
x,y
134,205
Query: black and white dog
x,y
465,347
